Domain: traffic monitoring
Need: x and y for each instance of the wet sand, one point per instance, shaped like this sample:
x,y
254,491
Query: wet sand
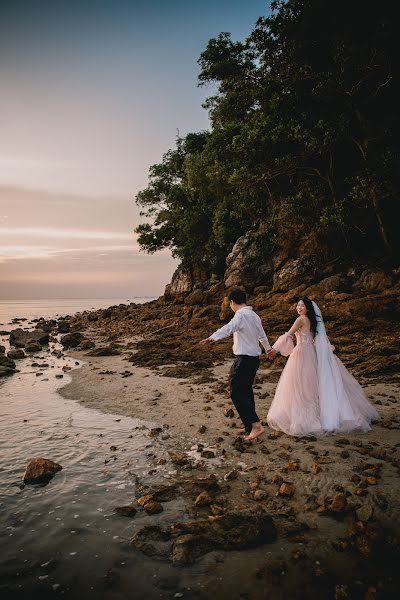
x,y
336,533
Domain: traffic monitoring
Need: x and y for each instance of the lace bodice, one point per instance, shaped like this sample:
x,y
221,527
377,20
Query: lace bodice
x,y
304,337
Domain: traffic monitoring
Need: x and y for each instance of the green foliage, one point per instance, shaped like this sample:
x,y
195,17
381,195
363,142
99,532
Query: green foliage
x,y
304,136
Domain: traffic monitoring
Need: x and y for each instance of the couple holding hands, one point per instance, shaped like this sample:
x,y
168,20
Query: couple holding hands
x,y
315,394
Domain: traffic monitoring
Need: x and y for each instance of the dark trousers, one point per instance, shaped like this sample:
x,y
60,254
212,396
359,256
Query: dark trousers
x,y
242,373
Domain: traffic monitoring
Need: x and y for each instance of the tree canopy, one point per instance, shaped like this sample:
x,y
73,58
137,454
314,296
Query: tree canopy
x,y
304,137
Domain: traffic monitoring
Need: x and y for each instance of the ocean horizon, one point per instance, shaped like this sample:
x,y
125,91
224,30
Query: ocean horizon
x,y
50,308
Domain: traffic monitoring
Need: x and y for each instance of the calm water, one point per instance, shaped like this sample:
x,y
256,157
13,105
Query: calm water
x,y
64,539
33,309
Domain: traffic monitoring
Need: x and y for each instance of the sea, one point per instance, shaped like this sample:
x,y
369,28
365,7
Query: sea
x,y
64,539
34,309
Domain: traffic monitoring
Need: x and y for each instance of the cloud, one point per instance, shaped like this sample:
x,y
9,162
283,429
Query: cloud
x,y
53,232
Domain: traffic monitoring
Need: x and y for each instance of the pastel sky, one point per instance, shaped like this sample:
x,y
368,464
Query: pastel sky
x,y
92,94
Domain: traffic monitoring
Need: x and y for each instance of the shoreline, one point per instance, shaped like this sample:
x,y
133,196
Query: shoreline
x,y
339,508
334,513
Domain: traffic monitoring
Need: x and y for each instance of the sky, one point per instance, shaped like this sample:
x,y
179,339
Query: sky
x,y
92,94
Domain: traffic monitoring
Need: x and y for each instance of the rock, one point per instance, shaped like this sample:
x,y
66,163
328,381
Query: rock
x,y
184,542
339,503
104,351
178,458
371,480
203,499
373,280
153,507
302,270
16,354
202,429
248,251
125,511
287,489
293,465
316,468
230,475
71,340
145,499
6,371
365,512
86,344
63,326
196,298
19,337
208,454
32,346
260,495
228,412
277,479
7,362
2,350
41,470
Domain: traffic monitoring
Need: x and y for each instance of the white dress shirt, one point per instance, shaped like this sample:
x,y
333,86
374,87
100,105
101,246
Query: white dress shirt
x,y
247,331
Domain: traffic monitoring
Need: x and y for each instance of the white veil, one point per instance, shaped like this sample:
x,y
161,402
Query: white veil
x,y
335,409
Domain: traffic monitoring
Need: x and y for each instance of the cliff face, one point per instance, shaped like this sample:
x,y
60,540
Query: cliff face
x,y
306,268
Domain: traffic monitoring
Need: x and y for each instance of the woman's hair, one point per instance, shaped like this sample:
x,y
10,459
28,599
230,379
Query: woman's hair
x,y
310,313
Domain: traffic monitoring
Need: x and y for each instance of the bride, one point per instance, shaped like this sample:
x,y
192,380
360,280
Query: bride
x,y
316,394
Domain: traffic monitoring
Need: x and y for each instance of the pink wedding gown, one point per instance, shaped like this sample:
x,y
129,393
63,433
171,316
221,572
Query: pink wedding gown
x,y
296,407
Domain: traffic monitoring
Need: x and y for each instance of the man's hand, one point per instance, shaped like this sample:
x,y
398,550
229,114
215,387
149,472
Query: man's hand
x,y
271,354
208,341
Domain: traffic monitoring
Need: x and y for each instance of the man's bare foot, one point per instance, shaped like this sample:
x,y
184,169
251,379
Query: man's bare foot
x,y
256,430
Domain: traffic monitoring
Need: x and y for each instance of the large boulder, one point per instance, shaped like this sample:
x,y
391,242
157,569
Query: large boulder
x,y
41,470
64,326
71,340
16,354
249,264
19,337
6,361
6,371
297,271
33,346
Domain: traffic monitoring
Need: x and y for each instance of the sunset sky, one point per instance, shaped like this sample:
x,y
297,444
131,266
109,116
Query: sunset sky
x,y
92,94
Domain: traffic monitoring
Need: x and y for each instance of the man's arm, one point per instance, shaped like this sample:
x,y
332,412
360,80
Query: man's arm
x,y
262,337
223,332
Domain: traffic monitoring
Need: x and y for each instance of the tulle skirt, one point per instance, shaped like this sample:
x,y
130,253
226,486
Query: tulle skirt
x,y
297,408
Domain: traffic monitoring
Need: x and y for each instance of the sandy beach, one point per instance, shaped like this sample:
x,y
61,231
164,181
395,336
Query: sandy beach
x,y
333,500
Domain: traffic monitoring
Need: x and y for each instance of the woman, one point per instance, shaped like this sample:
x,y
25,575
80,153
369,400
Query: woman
x,y
316,393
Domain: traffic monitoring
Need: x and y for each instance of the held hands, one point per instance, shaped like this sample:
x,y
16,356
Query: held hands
x,y
271,354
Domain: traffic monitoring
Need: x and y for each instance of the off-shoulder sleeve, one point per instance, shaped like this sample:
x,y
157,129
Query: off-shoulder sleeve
x,y
284,344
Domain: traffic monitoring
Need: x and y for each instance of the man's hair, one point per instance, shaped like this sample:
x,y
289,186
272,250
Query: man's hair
x,y
238,296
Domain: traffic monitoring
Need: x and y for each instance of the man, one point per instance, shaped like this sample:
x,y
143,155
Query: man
x,y
248,332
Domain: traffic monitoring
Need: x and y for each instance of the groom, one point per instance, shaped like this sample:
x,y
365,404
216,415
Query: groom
x,y
248,333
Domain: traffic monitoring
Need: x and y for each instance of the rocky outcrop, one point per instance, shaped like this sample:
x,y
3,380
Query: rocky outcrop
x,y
248,265
188,278
185,542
